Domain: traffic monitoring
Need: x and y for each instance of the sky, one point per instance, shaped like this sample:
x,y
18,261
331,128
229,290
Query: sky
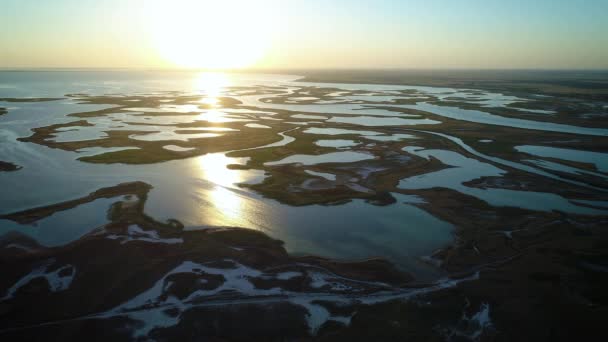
x,y
547,34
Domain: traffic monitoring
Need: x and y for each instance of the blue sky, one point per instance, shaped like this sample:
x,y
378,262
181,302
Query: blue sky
x,y
315,33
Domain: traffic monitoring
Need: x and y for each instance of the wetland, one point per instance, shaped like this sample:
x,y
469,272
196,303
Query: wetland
x,y
343,205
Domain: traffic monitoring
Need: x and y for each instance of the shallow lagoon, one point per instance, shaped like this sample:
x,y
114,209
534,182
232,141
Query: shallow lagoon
x,y
203,191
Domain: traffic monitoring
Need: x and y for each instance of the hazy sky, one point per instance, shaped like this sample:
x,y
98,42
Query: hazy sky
x,y
305,33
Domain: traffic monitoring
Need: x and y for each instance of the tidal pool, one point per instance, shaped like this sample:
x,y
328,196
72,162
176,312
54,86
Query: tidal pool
x,y
178,148
335,157
328,176
393,137
600,160
377,121
338,131
254,125
168,135
337,143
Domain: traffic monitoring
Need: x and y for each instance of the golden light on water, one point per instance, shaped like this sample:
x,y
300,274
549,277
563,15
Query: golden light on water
x,y
211,85
230,205
213,116
210,34
213,101
214,166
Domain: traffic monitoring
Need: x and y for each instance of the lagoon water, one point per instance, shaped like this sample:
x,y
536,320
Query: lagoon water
x,y
201,191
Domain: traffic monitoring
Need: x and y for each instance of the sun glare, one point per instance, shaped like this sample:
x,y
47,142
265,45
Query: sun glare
x,y
227,202
210,34
211,84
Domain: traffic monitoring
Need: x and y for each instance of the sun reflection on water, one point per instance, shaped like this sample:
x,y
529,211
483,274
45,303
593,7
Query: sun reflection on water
x,y
229,204
215,169
211,85
214,116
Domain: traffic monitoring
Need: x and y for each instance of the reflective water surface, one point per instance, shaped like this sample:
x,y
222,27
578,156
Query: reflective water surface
x,y
220,147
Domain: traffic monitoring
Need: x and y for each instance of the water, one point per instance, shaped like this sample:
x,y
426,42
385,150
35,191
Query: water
x,y
202,191
599,160
338,131
328,176
337,143
376,121
335,157
467,169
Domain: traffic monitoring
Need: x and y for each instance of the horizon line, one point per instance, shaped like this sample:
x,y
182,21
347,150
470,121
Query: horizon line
x,y
284,69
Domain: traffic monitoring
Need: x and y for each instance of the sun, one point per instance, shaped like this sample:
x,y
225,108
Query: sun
x,y
206,34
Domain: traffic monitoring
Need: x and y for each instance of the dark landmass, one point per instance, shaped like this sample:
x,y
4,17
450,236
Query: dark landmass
x,y
137,278
8,167
579,83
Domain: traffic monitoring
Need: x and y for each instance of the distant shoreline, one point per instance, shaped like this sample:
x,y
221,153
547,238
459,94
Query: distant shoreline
x,y
315,70
584,83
